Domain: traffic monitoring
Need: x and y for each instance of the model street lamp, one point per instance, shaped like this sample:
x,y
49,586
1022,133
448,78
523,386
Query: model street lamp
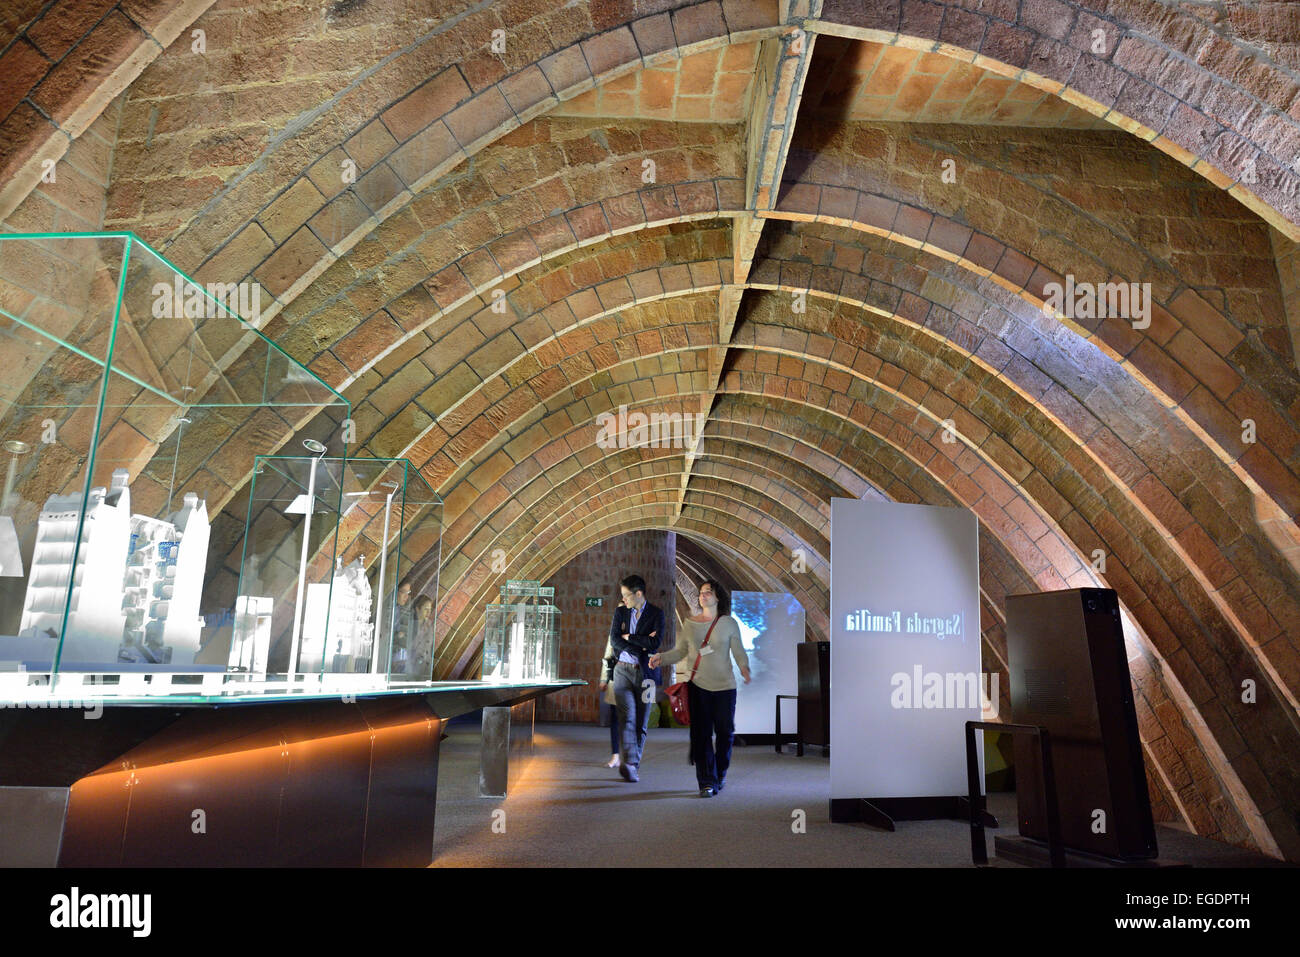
x,y
303,505
383,568
11,557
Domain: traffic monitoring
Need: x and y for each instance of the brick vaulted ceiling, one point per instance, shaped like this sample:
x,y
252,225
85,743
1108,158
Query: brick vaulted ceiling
x,y
826,225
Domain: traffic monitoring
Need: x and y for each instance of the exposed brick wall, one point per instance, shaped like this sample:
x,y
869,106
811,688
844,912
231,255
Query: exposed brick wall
x,y
583,631
63,63
1287,254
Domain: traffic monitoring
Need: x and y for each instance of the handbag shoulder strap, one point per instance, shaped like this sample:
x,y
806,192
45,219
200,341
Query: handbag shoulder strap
x,y
707,635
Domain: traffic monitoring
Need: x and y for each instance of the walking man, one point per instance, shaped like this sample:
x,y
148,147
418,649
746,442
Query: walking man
x,y
634,636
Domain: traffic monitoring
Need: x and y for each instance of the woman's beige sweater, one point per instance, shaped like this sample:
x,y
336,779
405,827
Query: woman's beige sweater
x,y
715,672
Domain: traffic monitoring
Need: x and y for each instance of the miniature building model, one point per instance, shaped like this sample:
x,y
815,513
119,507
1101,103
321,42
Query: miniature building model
x,y
343,637
135,586
95,622
163,585
250,641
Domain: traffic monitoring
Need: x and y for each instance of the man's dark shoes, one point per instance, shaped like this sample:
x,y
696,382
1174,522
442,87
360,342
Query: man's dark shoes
x,y
707,792
629,773
721,784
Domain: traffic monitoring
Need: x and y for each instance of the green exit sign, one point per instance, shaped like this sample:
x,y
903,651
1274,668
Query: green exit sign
x,y
595,602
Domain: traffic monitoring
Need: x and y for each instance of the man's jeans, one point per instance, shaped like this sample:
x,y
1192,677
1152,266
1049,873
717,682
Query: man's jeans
x,y
632,712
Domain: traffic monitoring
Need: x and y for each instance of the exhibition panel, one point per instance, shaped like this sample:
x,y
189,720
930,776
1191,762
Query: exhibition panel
x,y
905,655
771,628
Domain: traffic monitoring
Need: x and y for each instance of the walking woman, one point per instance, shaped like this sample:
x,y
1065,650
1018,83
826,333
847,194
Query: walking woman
x,y
712,640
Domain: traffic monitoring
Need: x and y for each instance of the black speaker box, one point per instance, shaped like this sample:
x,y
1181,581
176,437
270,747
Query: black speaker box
x,y
1069,674
814,661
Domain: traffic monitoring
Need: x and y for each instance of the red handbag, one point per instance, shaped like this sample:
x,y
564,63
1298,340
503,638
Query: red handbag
x,y
678,696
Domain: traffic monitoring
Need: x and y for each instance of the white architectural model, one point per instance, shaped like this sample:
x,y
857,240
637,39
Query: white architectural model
x,y
250,642
95,621
337,625
163,585
518,663
520,634
136,585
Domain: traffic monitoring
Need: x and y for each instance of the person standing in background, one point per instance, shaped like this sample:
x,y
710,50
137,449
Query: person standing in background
x,y
712,640
633,636
401,629
608,703
421,657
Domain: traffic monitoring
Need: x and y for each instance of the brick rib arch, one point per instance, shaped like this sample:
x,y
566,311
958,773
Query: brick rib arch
x,y
366,347
808,489
616,51
606,312
423,127
615,301
1183,322
1151,77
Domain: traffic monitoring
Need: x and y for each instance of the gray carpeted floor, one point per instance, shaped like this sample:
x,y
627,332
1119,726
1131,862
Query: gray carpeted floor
x,y
565,808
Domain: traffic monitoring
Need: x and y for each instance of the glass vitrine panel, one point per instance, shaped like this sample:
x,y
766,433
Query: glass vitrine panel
x,y
132,406
521,634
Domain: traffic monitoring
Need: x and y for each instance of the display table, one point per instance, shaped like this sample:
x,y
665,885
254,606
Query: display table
x,y
256,780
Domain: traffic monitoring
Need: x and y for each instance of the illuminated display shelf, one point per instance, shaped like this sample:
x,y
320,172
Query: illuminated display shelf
x,y
161,689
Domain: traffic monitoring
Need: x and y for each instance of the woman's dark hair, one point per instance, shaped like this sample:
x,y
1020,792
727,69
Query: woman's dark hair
x,y
720,593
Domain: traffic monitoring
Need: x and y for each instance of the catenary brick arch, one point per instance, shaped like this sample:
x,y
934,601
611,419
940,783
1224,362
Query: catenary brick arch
x,y
432,115
1212,414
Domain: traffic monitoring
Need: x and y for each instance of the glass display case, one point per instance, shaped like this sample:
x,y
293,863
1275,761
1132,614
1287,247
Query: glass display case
x,y
133,404
521,634
339,574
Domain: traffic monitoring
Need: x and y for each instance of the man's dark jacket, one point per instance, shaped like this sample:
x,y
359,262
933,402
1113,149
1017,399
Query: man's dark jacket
x,y
639,642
